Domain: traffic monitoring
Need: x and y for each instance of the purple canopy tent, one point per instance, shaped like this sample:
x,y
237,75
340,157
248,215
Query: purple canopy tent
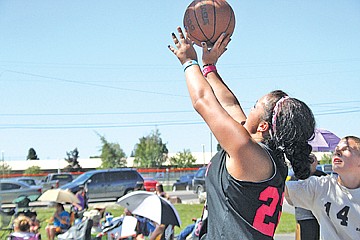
x,y
324,141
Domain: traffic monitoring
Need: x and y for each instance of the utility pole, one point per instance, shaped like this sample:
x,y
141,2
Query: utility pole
x,y
3,163
211,145
203,150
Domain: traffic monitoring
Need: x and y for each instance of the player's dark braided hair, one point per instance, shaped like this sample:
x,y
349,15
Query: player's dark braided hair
x,y
292,125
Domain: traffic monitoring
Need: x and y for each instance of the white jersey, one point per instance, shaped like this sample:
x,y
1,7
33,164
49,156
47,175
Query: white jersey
x,y
336,208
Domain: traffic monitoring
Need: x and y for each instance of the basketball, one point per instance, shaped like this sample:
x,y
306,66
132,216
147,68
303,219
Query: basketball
x,y
206,20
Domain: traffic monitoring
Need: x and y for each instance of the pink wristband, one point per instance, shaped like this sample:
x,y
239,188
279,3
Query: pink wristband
x,y
208,69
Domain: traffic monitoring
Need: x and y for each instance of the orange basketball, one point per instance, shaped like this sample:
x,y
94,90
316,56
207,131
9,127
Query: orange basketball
x,y
206,20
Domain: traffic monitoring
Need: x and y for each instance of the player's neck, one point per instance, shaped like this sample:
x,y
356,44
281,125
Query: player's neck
x,y
257,137
348,181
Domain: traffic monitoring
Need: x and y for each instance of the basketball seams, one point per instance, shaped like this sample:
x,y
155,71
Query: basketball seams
x,y
200,28
228,23
197,22
231,17
214,25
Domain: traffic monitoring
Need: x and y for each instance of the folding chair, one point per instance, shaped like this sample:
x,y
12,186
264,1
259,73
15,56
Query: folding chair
x,y
5,221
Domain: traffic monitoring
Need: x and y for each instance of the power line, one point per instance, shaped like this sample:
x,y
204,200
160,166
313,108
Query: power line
x,y
296,75
152,66
295,63
98,126
157,112
333,103
138,124
95,84
91,113
337,112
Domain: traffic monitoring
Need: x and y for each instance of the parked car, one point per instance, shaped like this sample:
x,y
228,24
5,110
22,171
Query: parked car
x,y
326,168
198,181
107,183
55,180
183,183
150,184
13,189
28,180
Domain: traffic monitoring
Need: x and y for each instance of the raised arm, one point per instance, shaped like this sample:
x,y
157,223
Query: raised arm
x,y
222,92
231,134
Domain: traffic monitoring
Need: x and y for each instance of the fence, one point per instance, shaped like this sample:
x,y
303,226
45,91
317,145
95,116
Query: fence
x,y
163,175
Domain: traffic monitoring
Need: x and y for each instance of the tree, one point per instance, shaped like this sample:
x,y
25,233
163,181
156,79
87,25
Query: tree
x,y
33,170
32,155
326,159
72,159
4,168
150,151
183,159
112,155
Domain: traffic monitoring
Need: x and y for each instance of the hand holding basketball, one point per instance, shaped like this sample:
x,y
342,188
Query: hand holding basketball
x,y
184,48
211,56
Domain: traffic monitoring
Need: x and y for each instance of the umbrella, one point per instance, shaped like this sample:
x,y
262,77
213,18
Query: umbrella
x,y
324,141
58,195
151,206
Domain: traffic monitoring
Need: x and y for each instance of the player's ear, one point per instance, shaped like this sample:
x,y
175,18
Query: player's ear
x,y
263,126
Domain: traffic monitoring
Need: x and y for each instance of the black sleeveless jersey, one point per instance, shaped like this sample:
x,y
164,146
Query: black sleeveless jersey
x,y
241,209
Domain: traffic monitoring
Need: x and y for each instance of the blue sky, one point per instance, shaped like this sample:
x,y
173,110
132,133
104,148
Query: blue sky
x,y
72,69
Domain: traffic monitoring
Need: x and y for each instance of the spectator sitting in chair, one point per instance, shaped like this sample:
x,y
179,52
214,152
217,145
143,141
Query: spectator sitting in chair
x,y
97,214
35,224
22,229
59,222
78,209
162,232
82,198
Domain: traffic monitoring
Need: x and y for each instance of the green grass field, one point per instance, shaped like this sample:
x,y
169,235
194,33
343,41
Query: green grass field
x,y
186,212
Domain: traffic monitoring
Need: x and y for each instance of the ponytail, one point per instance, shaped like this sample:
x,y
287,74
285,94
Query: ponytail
x,y
293,127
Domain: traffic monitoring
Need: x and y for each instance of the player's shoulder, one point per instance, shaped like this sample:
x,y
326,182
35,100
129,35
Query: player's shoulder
x,y
313,181
327,179
323,182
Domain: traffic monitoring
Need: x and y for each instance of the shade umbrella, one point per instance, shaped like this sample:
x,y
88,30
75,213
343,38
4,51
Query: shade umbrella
x,y
58,195
151,206
324,141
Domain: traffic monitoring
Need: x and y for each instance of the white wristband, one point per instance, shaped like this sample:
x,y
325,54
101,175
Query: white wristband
x,y
189,63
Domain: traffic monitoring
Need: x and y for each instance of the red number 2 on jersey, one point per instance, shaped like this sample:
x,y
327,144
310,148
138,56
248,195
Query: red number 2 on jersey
x,y
268,210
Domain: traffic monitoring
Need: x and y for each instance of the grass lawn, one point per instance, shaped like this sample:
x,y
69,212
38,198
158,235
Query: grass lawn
x,y
186,212
287,223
